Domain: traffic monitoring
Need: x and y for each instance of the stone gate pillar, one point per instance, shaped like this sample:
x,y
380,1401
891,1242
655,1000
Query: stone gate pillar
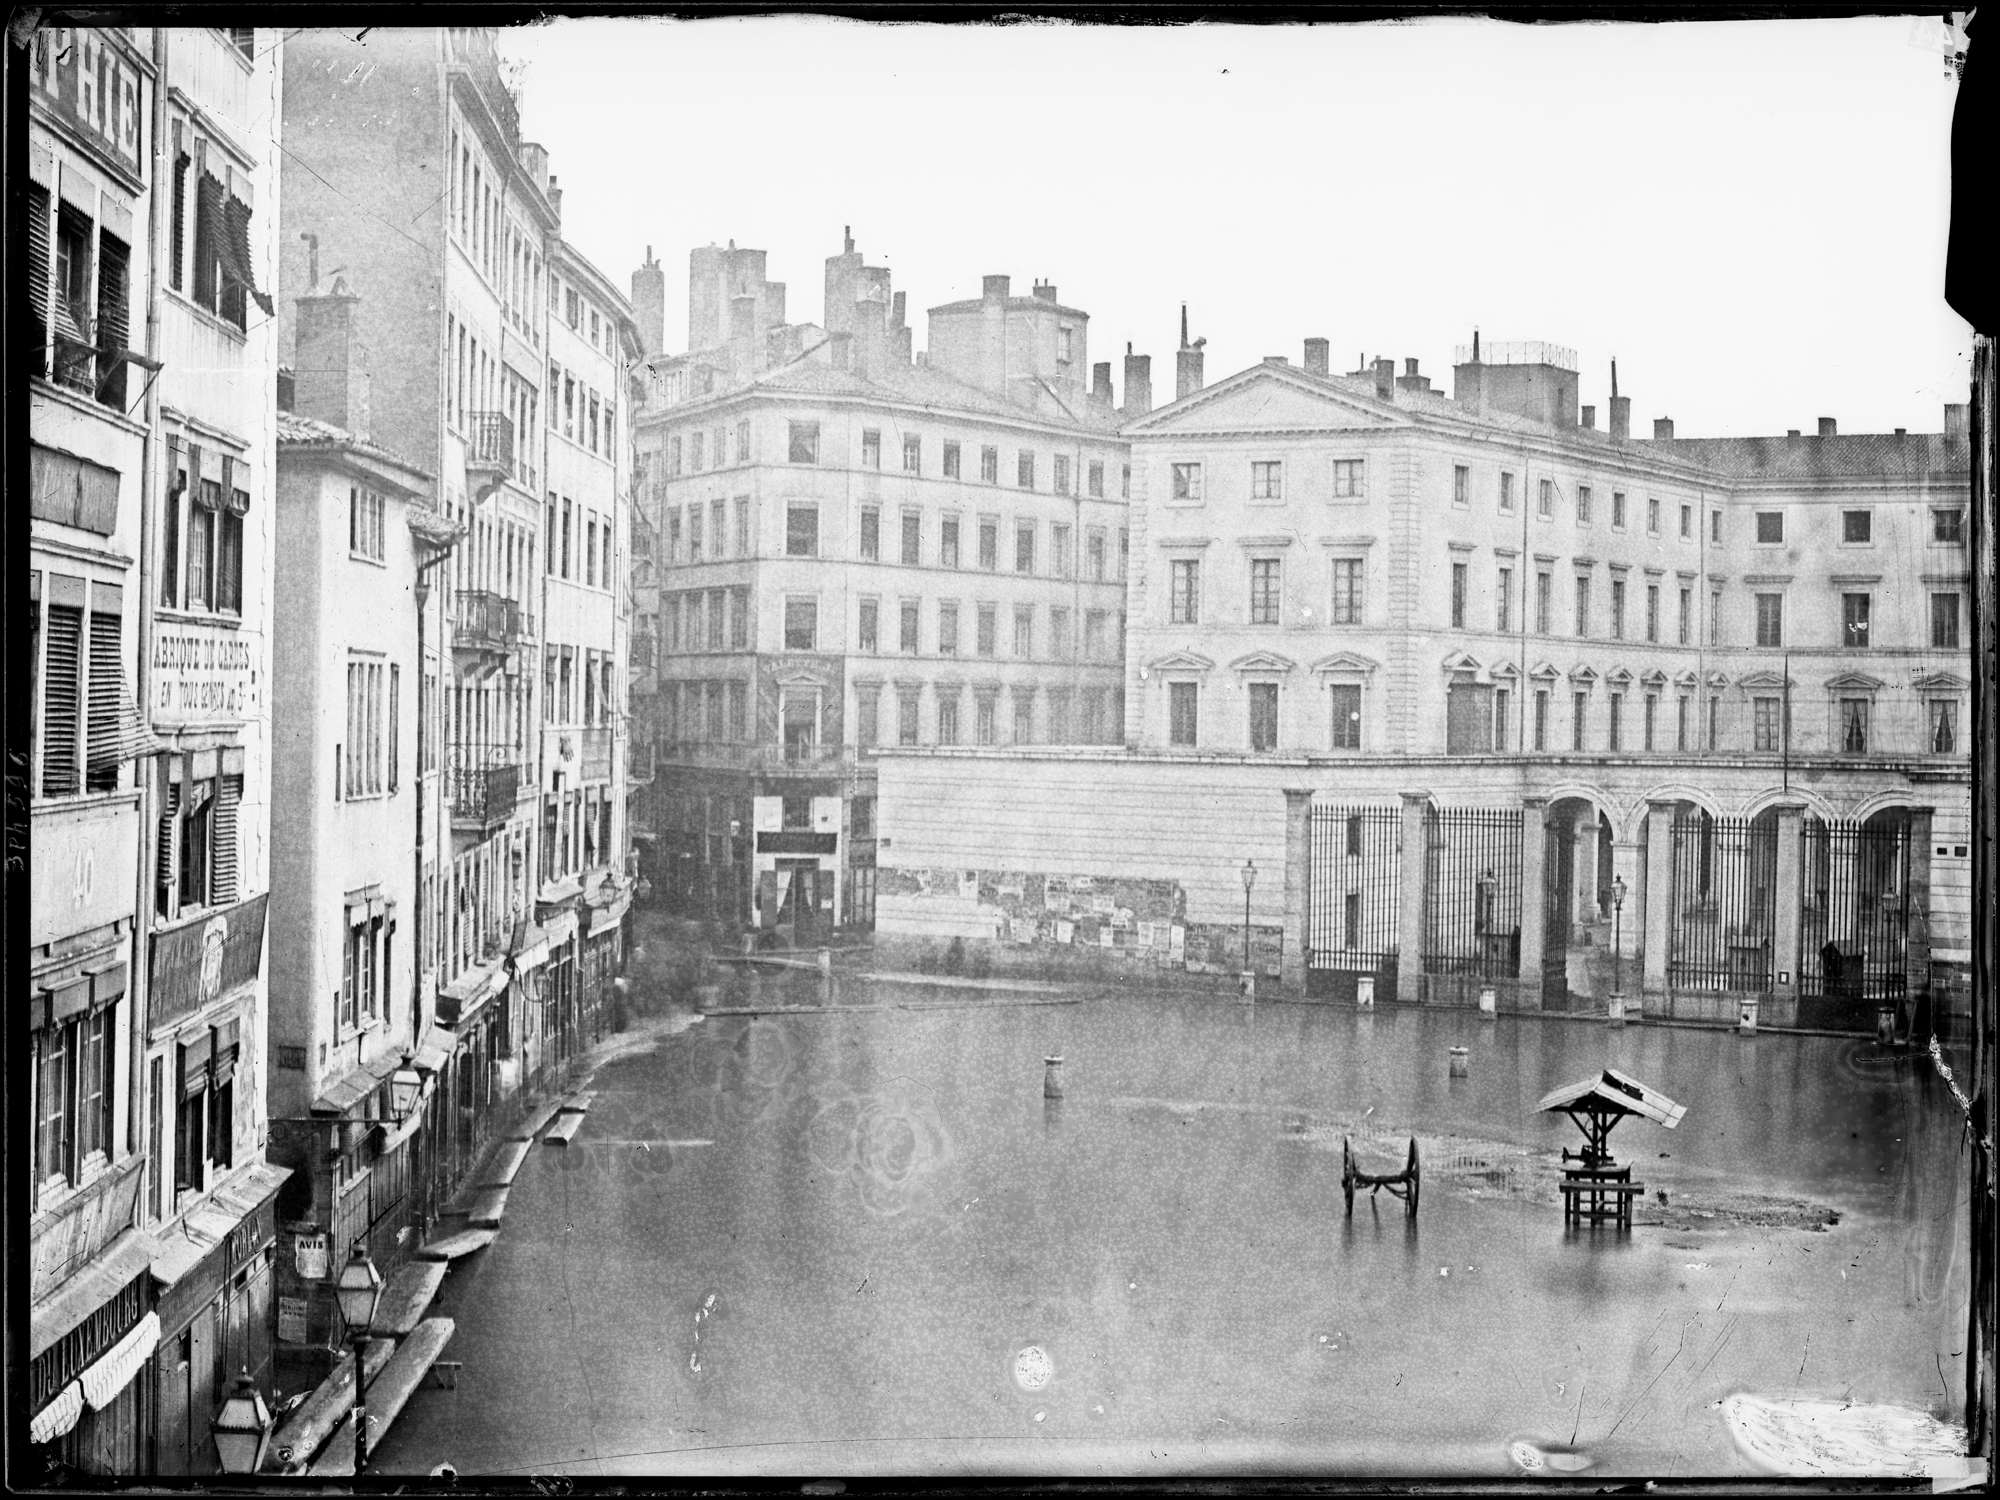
x,y
1410,898
1659,895
1917,945
1583,867
1628,862
1298,876
1786,896
1534,886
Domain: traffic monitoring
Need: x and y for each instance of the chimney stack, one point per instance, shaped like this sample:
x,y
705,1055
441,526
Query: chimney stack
x,y
1955,424
994,288
1385,380
1187,363
1590,417
649,304
1138,383
1791,432
1100,382
1827,427
331,378
555,199
743,337
1663,429
1317,353
1410,380
1045,291
1621,409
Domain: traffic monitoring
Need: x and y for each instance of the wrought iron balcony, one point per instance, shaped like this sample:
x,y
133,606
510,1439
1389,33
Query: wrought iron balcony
x,y
485,782
483,621
489,445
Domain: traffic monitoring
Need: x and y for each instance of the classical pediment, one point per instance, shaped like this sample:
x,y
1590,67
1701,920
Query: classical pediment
x,y
1855,682
1267,398
1346,661
1545,672
1687,680
1755,681
1939,682
1718,679
1181,661
1263,661
1618,676
1463,661
1655,678
1584,675
1505,672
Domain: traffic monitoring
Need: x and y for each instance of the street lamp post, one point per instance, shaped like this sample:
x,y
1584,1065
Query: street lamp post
x,y
1617,951
358,1292
242,1429
1249,879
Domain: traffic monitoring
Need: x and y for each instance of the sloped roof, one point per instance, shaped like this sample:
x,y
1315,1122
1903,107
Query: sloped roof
x,y
295,431
1858,455
923,386
1613,1091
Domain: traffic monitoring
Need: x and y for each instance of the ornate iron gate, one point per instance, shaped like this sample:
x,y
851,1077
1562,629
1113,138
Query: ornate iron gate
x,y
1854,921
1472,892
1354,881
1719,930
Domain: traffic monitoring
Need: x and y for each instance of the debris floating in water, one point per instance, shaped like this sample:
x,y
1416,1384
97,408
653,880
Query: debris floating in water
x,y
1790,1435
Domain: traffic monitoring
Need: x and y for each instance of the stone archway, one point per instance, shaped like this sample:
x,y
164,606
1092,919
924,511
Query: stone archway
x,y
1576,875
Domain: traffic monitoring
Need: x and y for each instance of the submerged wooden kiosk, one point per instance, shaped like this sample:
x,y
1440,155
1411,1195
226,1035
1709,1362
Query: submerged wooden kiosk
x,y
1595,1187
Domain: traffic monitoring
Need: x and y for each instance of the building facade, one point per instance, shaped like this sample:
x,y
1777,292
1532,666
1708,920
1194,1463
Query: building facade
x,y
358,543
464,355
152,154
847,548
1711,693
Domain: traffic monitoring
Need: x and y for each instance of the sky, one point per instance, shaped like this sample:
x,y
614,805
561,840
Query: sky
x,y
1750,217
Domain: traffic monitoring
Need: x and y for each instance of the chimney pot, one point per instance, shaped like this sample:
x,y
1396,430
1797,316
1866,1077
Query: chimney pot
x,y
1385,380
1663,429
1955,418
1045,291
1100,382
1902,432
1791,432
1590,417
1317,353
1138,383
1410,367
1827,427
1621,418
994,288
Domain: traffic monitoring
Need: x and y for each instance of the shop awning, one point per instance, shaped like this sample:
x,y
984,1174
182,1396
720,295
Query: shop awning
x,y
130,1255
561,929
610,915
185,1247
55,1419
340,1097
531,945
115,1368
435,1050
248,1190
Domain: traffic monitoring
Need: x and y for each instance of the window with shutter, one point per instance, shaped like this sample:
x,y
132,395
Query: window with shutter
x,y
62,700
101,718
229,796
177,254
38,279
113,318
166,859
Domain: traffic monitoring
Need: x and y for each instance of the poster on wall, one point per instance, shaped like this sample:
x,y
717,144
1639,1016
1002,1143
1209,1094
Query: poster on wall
x,y
292,1320
309,1253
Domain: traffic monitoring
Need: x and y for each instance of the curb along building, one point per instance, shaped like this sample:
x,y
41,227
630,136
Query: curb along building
x,y
1488,695
851,549
151,240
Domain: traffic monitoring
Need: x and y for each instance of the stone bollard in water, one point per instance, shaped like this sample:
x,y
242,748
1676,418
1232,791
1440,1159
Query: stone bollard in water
x,y
1746,1015
1052,1077
1460,1064
1885,1026
1489,1001
826,975
1364,992
1246,986
1615,1010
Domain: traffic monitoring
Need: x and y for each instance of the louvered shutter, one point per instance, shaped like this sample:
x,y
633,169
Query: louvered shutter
x,y
62,686
179,255
223,871
38,278
166,863
113,314
208,198
104,689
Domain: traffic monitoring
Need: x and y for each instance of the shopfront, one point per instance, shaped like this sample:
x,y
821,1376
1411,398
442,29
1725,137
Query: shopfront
x,y
88,1391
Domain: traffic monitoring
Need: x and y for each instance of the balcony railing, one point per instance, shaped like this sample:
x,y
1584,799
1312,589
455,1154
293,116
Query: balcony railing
x,y
489,443
485,782
483,621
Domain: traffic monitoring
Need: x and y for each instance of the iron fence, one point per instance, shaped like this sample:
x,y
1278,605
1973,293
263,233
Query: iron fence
x,y
1472,892
1353,887
1719,930
1854,911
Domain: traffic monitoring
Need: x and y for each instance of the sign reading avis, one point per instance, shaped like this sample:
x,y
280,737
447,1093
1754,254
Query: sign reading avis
x,y
202,674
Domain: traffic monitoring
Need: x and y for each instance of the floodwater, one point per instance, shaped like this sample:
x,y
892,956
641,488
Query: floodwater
x,y
863,1242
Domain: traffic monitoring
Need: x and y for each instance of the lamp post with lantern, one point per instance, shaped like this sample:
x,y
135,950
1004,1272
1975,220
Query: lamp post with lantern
x,y
1617,948
1249,879
242,1429
359,1291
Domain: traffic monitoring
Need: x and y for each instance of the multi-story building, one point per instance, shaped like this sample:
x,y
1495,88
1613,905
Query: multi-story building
x,y
453,305
1725,677
583,885
359,542
848,549
152,152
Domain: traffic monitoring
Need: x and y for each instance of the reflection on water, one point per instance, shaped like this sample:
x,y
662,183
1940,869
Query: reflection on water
x,y
895,1219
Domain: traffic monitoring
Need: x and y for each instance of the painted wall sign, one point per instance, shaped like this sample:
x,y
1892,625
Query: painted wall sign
x,y
203,675
309,1253
196,962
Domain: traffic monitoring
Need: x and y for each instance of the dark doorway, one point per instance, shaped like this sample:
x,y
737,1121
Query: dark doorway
x,y
1558,902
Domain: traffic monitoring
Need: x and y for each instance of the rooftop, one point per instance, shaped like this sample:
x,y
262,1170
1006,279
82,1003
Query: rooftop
x,y
1858,455
297,432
